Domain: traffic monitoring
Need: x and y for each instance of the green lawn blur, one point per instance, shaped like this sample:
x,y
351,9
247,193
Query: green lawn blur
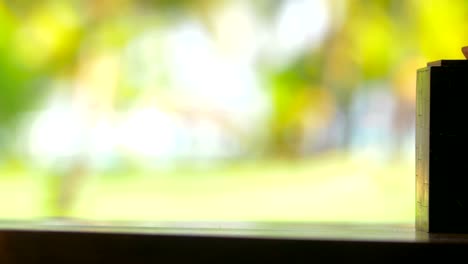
x,y
334,187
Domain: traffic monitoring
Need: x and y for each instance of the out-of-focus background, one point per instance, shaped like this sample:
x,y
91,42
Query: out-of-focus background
x,y
224,110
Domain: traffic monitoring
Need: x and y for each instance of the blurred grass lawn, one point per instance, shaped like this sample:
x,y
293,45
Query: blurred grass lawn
x,y
332,188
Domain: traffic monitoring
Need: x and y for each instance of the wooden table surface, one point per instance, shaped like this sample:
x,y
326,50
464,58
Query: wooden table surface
x,y
202,242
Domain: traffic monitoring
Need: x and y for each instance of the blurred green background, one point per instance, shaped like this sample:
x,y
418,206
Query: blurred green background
x,y
224,110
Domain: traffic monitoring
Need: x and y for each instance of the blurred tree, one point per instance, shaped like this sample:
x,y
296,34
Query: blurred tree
x,y
108,28
38,41
298,99
372,36
16,93
360,50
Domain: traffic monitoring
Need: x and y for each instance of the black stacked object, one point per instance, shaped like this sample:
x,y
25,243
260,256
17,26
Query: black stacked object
x,y
441,147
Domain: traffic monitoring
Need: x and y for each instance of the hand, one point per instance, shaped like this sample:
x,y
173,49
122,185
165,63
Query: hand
x,y
465,51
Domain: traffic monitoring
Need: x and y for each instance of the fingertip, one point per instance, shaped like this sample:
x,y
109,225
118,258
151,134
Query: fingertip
x,y
465,51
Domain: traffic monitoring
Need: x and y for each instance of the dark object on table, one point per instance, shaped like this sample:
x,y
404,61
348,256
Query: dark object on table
x,y
441,147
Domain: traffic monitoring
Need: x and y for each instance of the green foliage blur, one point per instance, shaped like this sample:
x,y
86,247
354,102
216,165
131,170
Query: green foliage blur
x,y
368,40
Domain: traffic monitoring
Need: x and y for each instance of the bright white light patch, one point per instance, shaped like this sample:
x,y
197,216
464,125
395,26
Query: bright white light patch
x,y
301,24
